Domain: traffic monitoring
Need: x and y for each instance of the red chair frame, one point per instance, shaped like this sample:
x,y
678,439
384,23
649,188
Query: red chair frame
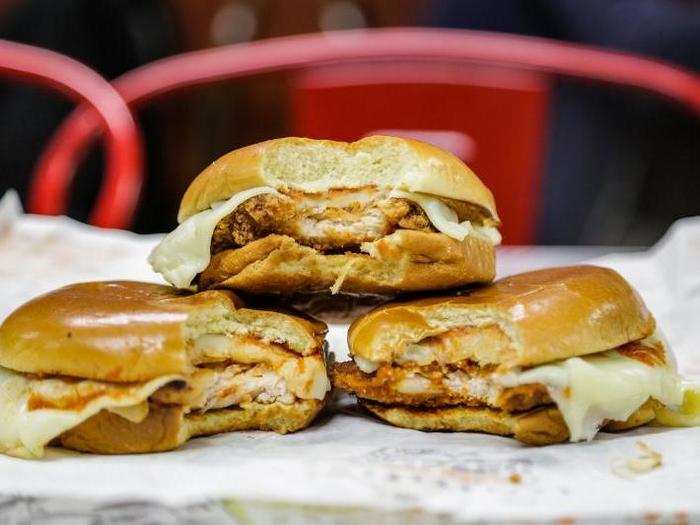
x,y
123,170
281,54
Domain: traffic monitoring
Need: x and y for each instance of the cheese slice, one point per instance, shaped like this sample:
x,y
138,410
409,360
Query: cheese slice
x,y
186,251
445,219
608,386
366,365
688,415
25,432
134,413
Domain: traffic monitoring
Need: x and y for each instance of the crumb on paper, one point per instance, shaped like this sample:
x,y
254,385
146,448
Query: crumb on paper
x,y
341,277
647,460
515,478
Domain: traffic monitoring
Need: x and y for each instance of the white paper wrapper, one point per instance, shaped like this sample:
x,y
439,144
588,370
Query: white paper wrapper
x,y
349,459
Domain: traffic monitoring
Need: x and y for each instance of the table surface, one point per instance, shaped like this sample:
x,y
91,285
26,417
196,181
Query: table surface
x,y
515,259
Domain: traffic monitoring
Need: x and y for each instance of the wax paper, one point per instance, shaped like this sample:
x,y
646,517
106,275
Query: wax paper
x,y
347,459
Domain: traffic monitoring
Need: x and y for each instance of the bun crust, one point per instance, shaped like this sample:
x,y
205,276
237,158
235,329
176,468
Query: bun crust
x,y
546,315
318,165
543,426
168,427
405,261
125,331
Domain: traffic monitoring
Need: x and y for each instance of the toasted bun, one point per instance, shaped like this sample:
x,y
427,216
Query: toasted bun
x,y
168,427
127,331
543,426
318,165
405,261
523,320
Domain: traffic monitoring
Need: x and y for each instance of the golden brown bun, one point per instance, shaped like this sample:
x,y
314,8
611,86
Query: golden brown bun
x,y
276,417
318,165
168,427
539,317
406,261
109,433
126,331
543,426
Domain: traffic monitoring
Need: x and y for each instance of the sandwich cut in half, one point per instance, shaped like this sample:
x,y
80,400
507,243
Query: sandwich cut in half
x,y
126,367
545,356
378,216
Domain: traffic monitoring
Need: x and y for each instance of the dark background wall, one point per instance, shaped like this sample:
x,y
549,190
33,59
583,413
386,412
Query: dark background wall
x,y
619,167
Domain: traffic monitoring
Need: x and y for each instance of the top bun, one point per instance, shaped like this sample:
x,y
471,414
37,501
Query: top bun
x,y
318,165
522,320
124,331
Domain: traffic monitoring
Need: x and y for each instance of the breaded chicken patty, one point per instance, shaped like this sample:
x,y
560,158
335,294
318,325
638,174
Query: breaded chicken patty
x,y
334,220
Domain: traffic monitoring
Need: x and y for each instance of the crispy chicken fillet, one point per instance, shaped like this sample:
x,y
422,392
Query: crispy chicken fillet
x,y
330,221
440,385
223,385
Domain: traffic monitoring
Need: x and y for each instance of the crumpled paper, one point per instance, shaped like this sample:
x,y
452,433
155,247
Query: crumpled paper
x,y
38,254
349,459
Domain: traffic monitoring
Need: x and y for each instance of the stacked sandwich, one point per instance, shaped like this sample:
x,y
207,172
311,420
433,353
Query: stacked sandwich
x,y
118,367
125,367
544,356
379,216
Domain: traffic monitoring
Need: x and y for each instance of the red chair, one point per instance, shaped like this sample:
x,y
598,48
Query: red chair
x,y
469,109
422,49
118,197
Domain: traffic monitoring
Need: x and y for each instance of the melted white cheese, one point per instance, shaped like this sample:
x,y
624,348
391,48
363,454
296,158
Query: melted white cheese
x,y
414,353
134,413
186,251
25,432
607,386
366,365
445,219
688,415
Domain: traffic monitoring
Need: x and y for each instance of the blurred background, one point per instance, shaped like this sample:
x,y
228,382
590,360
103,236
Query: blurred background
x,y
585,163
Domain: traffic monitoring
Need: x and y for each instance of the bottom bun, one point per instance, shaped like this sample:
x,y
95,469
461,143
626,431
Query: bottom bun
x,y
543,426
276,417
404,261
168,427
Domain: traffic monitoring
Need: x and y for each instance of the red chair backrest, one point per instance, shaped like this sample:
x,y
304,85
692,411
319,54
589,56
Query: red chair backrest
x,y
492,118
117,200
389,46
